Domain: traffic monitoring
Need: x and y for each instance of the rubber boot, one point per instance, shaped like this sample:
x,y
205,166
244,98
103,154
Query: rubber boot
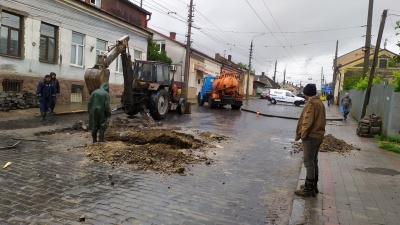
x,y
44,117
52,110
101,136
308,190
94,136
41,117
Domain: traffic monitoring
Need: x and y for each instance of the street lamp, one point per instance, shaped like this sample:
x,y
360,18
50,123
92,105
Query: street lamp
x,y
248,74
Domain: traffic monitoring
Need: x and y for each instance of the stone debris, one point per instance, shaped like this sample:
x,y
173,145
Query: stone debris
x,y
17,100
330,144
369,126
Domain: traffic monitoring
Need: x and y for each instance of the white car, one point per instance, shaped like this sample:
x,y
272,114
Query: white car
x,y
279,95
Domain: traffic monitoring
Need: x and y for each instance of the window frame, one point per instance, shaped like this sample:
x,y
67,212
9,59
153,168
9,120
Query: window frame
x,y
117,65
77,51
161,43
134,53
20,30
47,44
99,3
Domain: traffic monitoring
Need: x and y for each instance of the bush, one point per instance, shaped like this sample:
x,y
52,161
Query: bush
x,y
396,82
390,143
351,82
363,83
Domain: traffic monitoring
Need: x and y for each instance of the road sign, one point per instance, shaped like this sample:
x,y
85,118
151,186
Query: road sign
x,y
328,88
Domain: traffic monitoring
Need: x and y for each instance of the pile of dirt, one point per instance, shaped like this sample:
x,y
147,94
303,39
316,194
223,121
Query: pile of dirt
x,y
146,149
330,144
212,137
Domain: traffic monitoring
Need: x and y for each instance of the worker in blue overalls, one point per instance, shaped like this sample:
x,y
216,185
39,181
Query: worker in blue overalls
x,y
46,94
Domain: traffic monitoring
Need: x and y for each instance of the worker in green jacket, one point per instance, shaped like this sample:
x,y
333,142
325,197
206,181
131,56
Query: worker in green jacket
x,y
99,111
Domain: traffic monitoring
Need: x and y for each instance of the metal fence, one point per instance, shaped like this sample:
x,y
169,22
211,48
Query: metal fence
x,y
384,102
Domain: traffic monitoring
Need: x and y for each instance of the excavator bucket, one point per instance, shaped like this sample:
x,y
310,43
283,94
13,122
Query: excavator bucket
x,y
94,78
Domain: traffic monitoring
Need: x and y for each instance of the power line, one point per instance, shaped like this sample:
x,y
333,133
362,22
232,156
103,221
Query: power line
x,y
312,42
271,32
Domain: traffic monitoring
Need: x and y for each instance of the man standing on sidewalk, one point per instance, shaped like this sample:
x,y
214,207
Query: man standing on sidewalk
x,y
56,86
46,95
99,112
311,130
329,97
346,104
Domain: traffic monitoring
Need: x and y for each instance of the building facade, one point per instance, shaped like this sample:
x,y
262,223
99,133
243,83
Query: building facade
x,y
352,63
65,37
200,63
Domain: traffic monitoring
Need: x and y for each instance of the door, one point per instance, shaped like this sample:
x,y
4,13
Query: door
x,y
199,81
289,97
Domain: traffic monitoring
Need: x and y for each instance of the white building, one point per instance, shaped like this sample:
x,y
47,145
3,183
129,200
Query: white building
x,y
65,36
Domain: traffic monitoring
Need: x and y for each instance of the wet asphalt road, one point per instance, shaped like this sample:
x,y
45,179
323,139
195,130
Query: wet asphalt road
x,y
251,181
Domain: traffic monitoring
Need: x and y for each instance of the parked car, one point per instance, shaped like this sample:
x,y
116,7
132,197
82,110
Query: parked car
x,y
264,95
279,95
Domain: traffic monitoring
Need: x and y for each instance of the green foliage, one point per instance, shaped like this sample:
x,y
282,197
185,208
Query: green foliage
x,y
397,27
153,53
351,82
390,143
396,83
363,83
244,66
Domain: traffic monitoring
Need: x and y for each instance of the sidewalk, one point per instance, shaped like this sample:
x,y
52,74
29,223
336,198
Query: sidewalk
x,y
349,193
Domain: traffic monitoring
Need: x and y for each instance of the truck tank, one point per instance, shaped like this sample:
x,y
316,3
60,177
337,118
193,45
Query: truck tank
x,y
227,83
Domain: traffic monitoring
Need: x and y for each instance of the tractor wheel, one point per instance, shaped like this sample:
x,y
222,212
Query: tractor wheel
x,y
210,103
132,113
199,100
181,106
159,104
235,107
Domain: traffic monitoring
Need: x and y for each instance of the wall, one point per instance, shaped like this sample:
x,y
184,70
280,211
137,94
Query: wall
x,y
68,16
212,68
176,52
383,102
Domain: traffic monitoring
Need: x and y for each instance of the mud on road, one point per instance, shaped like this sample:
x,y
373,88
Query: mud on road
x,y
161,149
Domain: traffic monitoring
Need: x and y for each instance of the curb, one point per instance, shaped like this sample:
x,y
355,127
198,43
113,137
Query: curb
x,y
286,117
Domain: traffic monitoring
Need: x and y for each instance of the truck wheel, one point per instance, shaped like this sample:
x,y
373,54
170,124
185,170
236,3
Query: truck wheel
x,y
132,113
199,100
273,101
212,106
235,107
297,103
181,106
159,104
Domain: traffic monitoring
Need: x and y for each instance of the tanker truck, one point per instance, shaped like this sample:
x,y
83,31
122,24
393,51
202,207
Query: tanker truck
x,y
220,91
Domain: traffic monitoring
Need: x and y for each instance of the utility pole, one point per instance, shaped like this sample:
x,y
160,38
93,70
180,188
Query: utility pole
x,y
141,3
322,78
374,63
276,63
248,74
335,72
367,51
188,42
284,79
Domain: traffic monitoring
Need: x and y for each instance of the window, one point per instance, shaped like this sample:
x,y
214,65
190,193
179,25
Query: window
x,y
119,68
47,48
138,55
10,34
76,93
101,48
77,49
161,46
288,94
12,85
383,63
96,2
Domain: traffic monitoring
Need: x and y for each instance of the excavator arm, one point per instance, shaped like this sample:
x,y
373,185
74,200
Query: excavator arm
x,y
100,73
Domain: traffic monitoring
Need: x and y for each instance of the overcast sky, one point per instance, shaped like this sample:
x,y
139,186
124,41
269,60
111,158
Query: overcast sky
x,y
228,26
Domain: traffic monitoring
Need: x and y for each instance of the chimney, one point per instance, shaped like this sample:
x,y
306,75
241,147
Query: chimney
x,y
172,35
262,73
229,58
217,56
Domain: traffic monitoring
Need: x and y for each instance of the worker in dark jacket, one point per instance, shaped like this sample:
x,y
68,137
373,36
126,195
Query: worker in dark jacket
x,y
329,97
46,95
99,111
56,86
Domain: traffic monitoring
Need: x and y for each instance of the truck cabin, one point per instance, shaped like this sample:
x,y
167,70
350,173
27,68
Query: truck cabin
x,y
155,72
208,82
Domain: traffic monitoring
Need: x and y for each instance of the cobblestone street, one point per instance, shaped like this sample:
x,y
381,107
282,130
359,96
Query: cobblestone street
x,y
251,181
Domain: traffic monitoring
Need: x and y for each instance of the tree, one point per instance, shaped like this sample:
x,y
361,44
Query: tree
x,y
351,82
244,66
154,54
363,83
397,27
